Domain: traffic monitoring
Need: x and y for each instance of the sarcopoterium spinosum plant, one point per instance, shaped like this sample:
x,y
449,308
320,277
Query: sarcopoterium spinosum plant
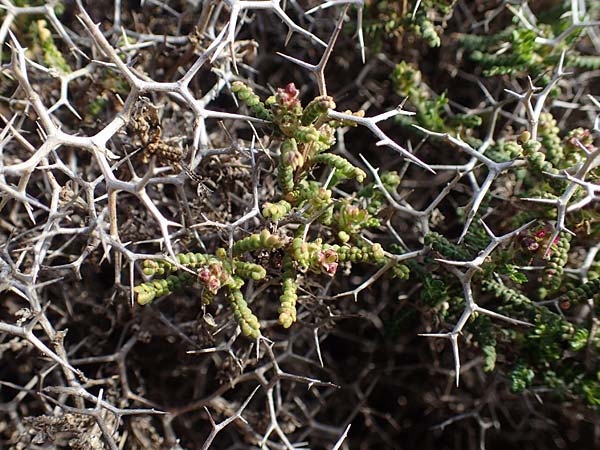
x,y
302,204
115,131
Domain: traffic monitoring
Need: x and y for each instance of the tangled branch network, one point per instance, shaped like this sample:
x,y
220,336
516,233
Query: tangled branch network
x,y
142,160
67,201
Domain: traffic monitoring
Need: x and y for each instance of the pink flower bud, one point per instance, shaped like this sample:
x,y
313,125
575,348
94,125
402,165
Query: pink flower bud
x,y
288,97
291,90
328,259
330,268
213,284
352,211
328,256
204,274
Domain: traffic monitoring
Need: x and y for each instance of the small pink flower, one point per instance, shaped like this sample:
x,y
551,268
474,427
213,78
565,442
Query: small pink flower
x,y
328,259
327,256
204,274
540,234
330,268
213,284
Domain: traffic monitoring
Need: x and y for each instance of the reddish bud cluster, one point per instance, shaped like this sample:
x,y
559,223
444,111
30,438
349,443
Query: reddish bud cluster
x,y
328,259
288,96
581,136
212,276
533,243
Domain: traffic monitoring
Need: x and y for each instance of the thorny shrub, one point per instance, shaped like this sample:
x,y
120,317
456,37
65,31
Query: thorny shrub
x,y
217,235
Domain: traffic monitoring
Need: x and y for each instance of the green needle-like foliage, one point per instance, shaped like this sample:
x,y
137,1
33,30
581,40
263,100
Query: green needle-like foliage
x,y
389,20
263,240
580,294
247,95
557,259
431,111
341,164
288,299
147,292
243,315
516,50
